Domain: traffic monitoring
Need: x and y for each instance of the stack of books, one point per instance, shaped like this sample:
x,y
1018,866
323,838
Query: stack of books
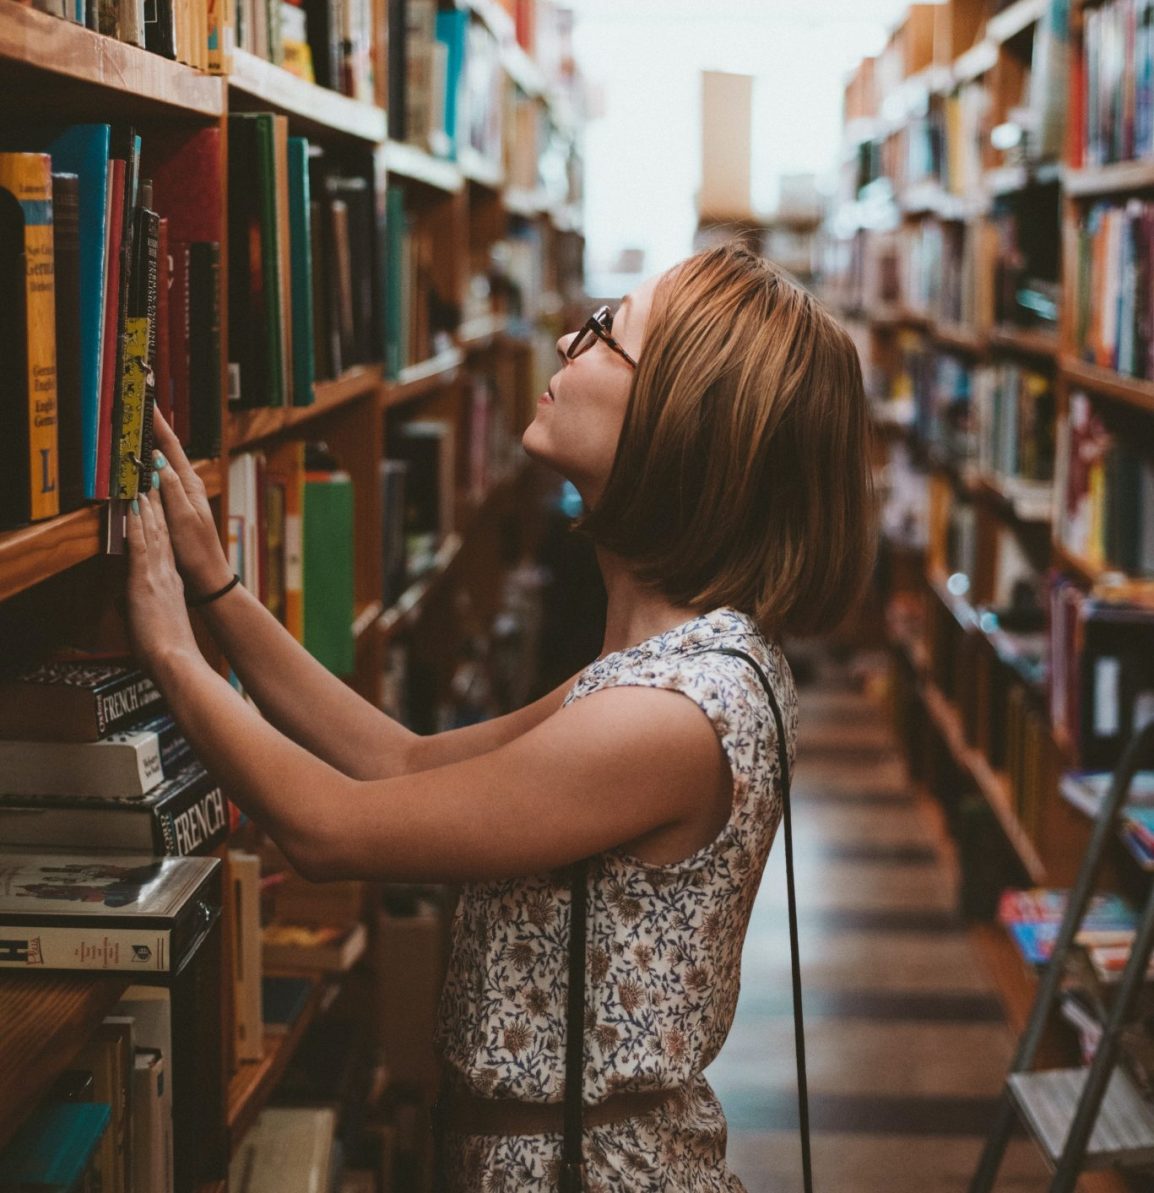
x,y
1033,917
89,759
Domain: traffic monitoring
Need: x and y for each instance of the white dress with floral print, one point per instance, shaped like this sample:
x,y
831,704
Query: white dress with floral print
x,y
663,961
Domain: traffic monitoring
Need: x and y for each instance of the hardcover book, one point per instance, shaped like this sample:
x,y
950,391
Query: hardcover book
x,y
68,296
51,1152
124,913
183,815
75,701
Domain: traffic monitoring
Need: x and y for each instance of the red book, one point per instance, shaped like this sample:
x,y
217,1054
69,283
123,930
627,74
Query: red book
x,y
163,285
109,357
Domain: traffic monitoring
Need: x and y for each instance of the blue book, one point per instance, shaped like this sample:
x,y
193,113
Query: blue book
x,y
301,255
53,1148
452,30
83,150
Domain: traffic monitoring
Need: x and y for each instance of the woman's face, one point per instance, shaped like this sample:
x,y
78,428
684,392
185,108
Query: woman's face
x,y
579,417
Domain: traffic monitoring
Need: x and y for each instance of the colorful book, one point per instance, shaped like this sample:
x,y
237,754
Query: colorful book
x,y
68,297
328,570
29,487
123,913
52,1150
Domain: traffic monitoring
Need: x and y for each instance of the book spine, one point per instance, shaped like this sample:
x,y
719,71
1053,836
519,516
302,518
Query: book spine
x,y
204,348
144,950
27,177
178,333
150,256
118,705
194,822
70,417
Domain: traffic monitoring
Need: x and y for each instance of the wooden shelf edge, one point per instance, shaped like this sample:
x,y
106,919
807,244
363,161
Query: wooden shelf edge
x,y
253,1082
31,554
31,1057
1032,343
419,379
993,786
955,335
251,426
479,333
413,163
479,170
1115,178
1013,20
61,47
274,87
1133,391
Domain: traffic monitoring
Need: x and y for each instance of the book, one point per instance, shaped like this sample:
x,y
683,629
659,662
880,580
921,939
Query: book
x,y
186,814
300,234
428,446
244,869
330,948
283,999
29,488
329,599
123,913
51,1151
108,1055
151,1122
130,762
1034,917
287,1150
66,251
204,348
77,701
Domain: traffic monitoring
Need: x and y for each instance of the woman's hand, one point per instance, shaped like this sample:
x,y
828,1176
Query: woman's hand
x,y
158,625
196,545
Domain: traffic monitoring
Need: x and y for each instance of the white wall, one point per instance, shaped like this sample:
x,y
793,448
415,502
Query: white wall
x,y
643,59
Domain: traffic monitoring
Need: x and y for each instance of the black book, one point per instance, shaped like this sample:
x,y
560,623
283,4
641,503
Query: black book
x,y
398,71
75,701
248,303
160,28
66,250
180,817
14,481
204,347
358,198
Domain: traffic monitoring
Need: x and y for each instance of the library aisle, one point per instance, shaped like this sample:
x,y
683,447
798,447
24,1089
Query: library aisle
x,y
906,1040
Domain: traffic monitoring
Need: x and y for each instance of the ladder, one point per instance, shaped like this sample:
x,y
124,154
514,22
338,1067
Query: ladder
x,y
1092,1117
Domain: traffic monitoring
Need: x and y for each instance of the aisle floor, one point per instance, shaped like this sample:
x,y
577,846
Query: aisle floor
x,y
906,1043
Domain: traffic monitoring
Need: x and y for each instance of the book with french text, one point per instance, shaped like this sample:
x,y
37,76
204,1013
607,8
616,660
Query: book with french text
x,y
184,815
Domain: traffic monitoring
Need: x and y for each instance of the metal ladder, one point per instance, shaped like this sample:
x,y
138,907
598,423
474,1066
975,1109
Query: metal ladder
x,y
1090,1117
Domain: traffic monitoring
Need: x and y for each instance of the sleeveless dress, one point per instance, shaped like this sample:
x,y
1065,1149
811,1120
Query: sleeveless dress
x,y
664,952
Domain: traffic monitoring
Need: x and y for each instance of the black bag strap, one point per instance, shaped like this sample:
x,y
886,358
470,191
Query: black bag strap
x,y
572,1161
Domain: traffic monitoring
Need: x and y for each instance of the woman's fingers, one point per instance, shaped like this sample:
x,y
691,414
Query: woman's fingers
x,y
166,440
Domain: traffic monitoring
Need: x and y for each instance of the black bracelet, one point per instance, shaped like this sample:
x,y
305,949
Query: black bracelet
x,y
196,602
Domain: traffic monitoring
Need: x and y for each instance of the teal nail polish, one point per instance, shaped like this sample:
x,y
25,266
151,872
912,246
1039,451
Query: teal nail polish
x,y
155,479
136,507
159,461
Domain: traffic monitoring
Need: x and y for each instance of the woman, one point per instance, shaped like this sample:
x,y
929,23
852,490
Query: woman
x,y
716,430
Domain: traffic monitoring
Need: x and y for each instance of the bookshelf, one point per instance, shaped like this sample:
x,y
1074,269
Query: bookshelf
x,y
494,338
957,134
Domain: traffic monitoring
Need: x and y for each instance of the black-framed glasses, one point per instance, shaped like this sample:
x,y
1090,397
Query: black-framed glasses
x,y
597,326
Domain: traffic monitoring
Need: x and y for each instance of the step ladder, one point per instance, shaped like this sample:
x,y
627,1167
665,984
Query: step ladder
x,y
1091,1117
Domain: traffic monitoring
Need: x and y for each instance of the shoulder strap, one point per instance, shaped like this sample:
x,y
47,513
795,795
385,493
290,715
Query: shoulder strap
x,y
798,1026
572,1162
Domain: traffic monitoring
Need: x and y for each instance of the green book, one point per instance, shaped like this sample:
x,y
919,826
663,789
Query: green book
x,y
395,322
51,1151
300,232
328,570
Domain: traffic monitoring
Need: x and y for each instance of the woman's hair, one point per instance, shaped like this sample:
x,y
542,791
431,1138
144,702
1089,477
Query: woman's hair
x,y
742,475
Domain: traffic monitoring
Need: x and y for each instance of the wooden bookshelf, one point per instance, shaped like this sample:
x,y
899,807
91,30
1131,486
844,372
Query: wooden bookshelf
x,y
994,786
407,609
67,65
480,333
1015,19
34,553
480,171
525,203
959,338
254,1081
1133,391
250,427
313,110
45,1019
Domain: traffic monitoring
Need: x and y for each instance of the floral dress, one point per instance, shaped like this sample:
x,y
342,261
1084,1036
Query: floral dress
x,y
664,951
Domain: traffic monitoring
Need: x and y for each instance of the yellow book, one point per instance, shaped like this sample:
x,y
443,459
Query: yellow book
x,y
1096,539
27,177
132,410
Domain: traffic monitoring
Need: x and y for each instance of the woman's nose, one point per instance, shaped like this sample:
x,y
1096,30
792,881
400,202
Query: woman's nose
x,y
563,343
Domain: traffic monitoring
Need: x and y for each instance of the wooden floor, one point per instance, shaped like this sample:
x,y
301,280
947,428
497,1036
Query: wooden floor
x,y
906,1043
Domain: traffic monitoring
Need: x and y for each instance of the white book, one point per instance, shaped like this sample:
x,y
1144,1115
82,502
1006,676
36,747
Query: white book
x,y
123,764
151,1010
150,1142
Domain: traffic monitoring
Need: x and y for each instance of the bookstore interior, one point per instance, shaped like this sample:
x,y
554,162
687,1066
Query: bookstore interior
x,y
334,244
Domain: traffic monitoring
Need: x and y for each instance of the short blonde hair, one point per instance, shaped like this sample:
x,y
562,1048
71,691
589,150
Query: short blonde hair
x,y
742,475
